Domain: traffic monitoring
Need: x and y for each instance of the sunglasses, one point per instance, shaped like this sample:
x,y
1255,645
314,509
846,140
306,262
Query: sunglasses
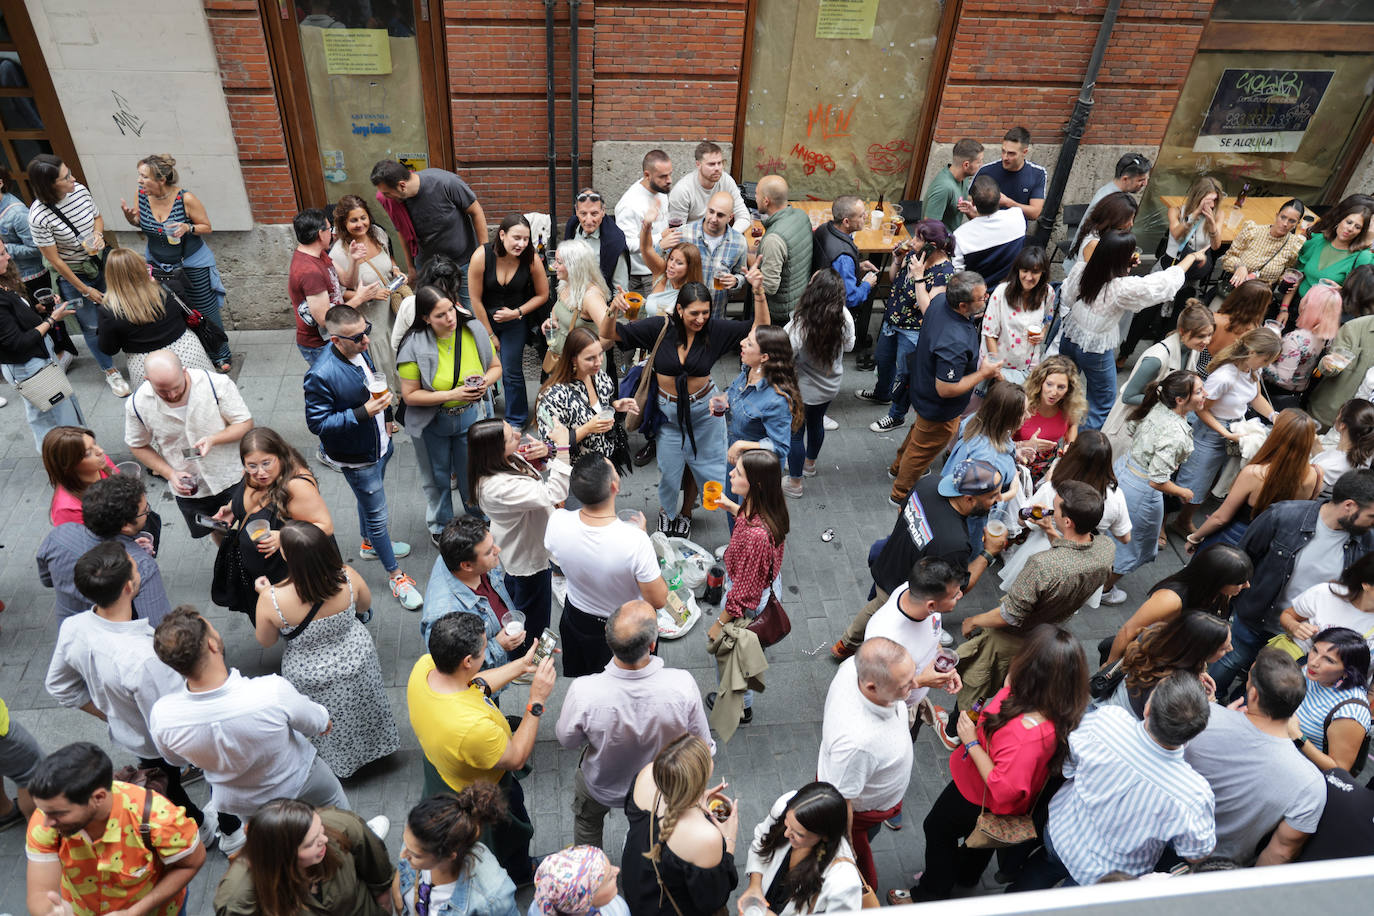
x,y
356,338
588,194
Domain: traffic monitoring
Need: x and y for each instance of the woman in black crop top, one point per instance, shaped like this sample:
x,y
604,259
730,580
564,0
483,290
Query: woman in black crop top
x,y
693,342
138,317
502,283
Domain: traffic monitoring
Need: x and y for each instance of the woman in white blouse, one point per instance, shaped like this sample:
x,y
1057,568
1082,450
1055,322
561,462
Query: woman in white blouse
x,y
361,255
1095,296
800,860
518,501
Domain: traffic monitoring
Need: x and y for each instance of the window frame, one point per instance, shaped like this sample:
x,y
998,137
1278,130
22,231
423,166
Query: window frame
x,y
24,42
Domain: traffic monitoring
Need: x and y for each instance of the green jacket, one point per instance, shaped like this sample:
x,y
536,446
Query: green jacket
x,y
786,260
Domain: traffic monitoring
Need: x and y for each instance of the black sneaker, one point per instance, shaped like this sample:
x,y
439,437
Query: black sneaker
x,y
864,362
434,539
680,527
871,396
887,423
745,717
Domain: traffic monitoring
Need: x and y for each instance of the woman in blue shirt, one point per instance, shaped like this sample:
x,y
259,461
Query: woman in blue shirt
x,y
444,870
986,435
764,405
14,232
1334,716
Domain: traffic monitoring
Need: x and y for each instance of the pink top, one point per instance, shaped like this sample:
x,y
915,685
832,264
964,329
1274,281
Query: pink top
x,y
66,507
1052,428
1021,755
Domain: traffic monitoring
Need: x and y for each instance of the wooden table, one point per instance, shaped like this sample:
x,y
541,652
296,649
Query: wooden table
x,y
1231,218
868,241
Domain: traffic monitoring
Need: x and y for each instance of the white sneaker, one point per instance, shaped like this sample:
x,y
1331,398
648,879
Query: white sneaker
x,y
380,825
117,383
829,423
3,401
946,638
1115,596
231,843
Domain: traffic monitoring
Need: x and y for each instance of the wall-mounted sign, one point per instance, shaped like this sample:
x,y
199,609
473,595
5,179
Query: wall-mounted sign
x,y
356,51
1261,111
846,19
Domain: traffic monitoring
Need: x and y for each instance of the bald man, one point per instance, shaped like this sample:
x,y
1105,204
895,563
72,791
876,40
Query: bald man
x,y
185,427
623,716
722,247
784,251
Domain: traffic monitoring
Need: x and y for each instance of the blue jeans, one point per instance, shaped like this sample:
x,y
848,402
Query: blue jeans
x,y
463,296
1245,645
1145,505
814,433
890,353
370,492
87,315
66,413
511,335
446,440
1099,376
310,354
675,450
1199,472
429,485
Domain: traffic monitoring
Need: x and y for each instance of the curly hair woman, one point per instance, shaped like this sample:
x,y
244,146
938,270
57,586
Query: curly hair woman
x,y
821,332
1055,404
1189,642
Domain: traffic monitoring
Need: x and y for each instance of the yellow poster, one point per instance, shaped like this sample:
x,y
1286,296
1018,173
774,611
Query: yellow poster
x,y
846,19
359,50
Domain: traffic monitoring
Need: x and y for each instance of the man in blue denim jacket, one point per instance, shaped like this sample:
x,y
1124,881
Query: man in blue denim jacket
x,y
1293,546
468,577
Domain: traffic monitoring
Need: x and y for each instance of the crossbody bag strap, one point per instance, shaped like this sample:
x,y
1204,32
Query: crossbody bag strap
x,y
1331,716
299,628
145,828
654,862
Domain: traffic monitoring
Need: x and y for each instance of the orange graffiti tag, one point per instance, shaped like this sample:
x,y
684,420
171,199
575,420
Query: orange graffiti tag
x,y
833,122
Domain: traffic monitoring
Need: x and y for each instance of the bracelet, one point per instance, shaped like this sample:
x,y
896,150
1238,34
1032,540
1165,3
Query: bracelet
x,y
971,745
1190,538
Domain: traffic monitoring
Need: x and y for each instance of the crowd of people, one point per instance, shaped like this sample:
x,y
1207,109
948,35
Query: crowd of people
x,y
1221,726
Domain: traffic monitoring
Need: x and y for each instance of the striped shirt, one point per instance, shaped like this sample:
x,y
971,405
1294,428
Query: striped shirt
x,y
1126,798
48,229
1320,700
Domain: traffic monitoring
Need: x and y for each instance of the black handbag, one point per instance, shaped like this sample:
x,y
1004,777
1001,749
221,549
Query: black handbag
x,y
230,588
210,335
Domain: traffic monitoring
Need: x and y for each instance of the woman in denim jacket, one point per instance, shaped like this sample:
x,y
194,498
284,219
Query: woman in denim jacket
x,y
444,870
764,403
14,232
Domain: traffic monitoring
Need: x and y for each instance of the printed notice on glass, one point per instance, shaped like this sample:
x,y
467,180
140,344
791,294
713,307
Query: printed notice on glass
x,y
846,19
356,51
1261,111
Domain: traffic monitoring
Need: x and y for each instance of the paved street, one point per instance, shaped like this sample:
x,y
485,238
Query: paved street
x,y
826,583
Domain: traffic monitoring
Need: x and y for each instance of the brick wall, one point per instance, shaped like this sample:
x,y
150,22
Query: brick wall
x,y
237,33
997,77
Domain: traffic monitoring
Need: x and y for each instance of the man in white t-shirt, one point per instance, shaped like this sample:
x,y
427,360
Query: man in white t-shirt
x,y
607,563
634,206
912,619
1346,602
355,431
1293,546
864,751
1263,785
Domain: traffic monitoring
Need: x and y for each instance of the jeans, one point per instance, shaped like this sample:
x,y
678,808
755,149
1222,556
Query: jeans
x,y
890,353
446,441
1245,645
429,485
66,413
87,315
1145,505
675,450
532,596
311,353
511,335
1199,472
463,296
369,490
814,432
1099,376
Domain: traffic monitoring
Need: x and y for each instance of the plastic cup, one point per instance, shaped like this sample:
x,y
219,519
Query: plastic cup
x,y
606,413
946,660
377,386
258,529
718,282
1274,326
711,492
474,381
129,468
169,229
675,222
719,404
90,243
513,622
631,516
633,302
720,808
1291,277
44,296
997,528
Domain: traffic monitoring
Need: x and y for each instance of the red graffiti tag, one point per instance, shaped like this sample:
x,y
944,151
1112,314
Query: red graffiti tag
x,y
771,165
812,160
833,121
892,158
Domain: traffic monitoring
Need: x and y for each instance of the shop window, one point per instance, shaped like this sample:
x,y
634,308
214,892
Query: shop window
x,y
30,120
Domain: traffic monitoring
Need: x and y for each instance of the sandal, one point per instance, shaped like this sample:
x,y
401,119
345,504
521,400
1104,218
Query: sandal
x,y
898,896
225,367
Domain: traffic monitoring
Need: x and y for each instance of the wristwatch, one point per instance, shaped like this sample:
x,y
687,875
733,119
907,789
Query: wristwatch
x,y
987,556
535,709
1299,742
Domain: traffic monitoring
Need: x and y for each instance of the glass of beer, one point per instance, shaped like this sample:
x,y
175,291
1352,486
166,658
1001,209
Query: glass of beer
x,y
169,229
377,386
718,281
257,529
711,492
633,303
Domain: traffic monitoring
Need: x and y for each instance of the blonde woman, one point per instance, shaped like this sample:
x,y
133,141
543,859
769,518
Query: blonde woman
x,y
138,316
582,296
1055,403
678,859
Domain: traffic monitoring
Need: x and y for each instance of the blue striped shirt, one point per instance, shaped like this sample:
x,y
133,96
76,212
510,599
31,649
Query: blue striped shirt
x,y
1126,798
1319,701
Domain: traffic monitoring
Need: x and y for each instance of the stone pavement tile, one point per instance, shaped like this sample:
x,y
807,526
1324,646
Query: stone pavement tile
x,y
825,583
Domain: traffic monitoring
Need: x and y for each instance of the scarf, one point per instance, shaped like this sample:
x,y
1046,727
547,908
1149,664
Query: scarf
x,y
567,880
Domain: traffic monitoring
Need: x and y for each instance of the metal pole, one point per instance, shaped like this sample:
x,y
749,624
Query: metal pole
x,y
572,51
549,102
1073,133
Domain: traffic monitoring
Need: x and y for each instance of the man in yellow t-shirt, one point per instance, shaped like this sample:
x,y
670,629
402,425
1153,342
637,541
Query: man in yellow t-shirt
x,y
19,759
465,738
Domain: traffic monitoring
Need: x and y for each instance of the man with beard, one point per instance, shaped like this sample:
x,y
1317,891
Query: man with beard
x,y
634,205
722,250
690,196
85,845
933,523
1293,546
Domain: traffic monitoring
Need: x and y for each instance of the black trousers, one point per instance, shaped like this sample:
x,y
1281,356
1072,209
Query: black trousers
x,y
584,642
948,861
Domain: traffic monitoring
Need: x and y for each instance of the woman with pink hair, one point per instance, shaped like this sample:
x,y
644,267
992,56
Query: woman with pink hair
x,y
1319,318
